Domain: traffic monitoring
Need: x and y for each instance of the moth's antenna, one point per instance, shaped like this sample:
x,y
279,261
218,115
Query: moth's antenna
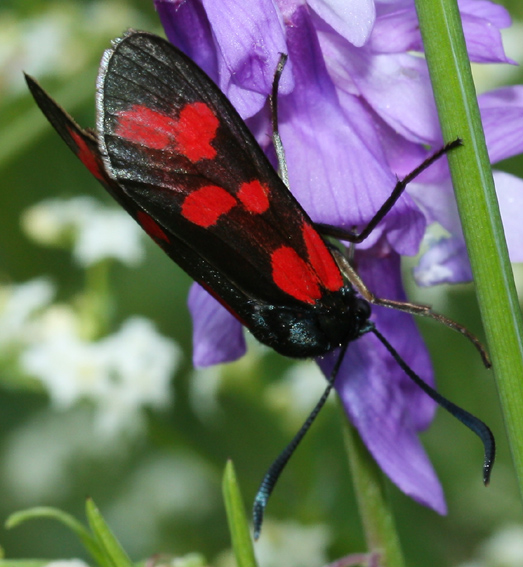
x,y
273,474
276,139
469,420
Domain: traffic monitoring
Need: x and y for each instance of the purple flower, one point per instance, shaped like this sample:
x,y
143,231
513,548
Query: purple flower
x,y
446,260
356,110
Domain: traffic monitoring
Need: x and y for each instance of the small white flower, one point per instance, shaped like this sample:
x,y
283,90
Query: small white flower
x,y
60,40
109,234
140,363
52,221
205,384
67,563
69,367
189,560
505,548
119,374
19,306
96,232
293,545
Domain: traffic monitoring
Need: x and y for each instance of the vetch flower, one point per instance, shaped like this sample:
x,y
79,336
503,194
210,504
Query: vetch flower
x,y
356,110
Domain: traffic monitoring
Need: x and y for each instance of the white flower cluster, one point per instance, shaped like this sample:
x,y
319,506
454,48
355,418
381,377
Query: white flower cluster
x,y
58,40
293,544
97,232
502,549
120,374
19,305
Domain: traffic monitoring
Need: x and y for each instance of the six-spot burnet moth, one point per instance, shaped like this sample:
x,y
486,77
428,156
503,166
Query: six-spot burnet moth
x,y
172,150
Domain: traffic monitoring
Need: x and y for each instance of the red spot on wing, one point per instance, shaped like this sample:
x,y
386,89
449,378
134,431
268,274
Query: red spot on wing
x,y
320,258
197,127
207,204
254,196
190,134
292,275
151,227
87,157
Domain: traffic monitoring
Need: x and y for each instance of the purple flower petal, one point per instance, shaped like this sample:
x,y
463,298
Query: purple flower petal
x,y
243,64
337,168
482,21
395,85
509,189
386,407
495,14
352,19
446,261
217,335
398,89
187,26
438,203
397,29
502,116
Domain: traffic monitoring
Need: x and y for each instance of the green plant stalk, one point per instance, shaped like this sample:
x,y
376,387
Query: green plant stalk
x,y
376,514
459,116
95,304
237,520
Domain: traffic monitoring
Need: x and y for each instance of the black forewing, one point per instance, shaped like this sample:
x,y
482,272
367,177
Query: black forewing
x,y
146,70
85,145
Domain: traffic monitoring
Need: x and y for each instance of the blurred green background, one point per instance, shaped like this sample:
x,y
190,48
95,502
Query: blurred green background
x,y
160,490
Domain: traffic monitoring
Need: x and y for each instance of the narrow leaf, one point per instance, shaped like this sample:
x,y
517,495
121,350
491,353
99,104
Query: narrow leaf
x,y
72,523
238,525
110,546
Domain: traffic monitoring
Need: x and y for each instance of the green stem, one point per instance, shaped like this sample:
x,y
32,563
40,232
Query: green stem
x,y
375,511
237,520
95,302
458,110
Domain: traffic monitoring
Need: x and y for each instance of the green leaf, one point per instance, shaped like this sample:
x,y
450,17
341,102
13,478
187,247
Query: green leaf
x,y
72,523
114,554
238,525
